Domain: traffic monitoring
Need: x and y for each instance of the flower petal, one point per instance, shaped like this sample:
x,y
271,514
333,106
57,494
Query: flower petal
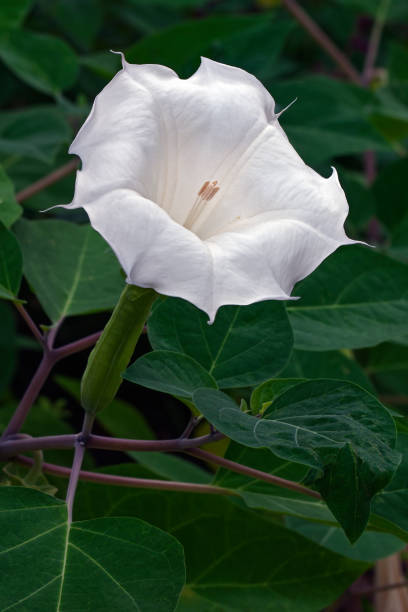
x,y
153,250
164,137
264,257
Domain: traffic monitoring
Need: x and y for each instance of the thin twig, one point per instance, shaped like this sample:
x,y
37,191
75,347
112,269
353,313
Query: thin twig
x,y
384,587
80,446
374,42
47,180
323,40
127,481
30,323
30,395
253,473
77,345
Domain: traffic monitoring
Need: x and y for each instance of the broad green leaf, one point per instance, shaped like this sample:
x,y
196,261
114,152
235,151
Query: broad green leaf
x,y
11,264
336,428
370,547
37,133
169,372
108,564
12,13
392,199
249,47
330,364
80,20
43,61
8,347
330,118
356,298
391,504
244,346
70,267
263,396
178,44
362,204
235,558
10,210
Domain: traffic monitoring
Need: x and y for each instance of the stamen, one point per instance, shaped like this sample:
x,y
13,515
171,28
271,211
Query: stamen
x,y
206,193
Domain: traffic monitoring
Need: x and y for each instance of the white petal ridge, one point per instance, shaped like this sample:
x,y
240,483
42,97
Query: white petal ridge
x,y
152,142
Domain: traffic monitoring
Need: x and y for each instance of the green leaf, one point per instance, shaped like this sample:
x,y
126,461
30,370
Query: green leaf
x,y
43,61
235,558
180,46
13,12
69,266
46,559
391,199
263,396
37,133
169,372
80,20
362,204
370,547
245,345
11,265
356,298
10,210
326,364
391,504
336,428
330,118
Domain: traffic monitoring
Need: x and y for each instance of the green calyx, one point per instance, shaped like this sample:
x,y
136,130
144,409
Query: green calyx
x,y
112,352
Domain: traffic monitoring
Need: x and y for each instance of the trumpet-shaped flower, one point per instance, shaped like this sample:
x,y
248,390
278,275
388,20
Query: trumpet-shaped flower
x,y
197,189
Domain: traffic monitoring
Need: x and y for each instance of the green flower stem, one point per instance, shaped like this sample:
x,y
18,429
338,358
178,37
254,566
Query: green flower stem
x,y
114,348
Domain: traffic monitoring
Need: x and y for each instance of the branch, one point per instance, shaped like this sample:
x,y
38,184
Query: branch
x,y
80,445
29,397
11,447
127,481
253,473
34,329
47,180
76,346
323,40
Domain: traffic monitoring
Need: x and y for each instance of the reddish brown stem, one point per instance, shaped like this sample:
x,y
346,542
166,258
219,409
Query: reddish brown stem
x,y
253,473
47,180
323,40
126,481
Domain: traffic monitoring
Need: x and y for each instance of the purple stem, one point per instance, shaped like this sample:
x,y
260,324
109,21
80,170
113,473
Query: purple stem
x,y
34,329
11,447
125,481
30,395
253,473
80,446
77,345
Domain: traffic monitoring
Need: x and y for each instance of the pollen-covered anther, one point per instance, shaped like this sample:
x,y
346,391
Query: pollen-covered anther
x,y
206,193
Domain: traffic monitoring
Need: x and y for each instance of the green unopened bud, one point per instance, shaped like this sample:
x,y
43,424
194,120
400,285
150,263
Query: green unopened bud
x,y
112,352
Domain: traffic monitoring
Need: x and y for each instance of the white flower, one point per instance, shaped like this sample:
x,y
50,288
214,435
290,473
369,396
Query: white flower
x,y
196,188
